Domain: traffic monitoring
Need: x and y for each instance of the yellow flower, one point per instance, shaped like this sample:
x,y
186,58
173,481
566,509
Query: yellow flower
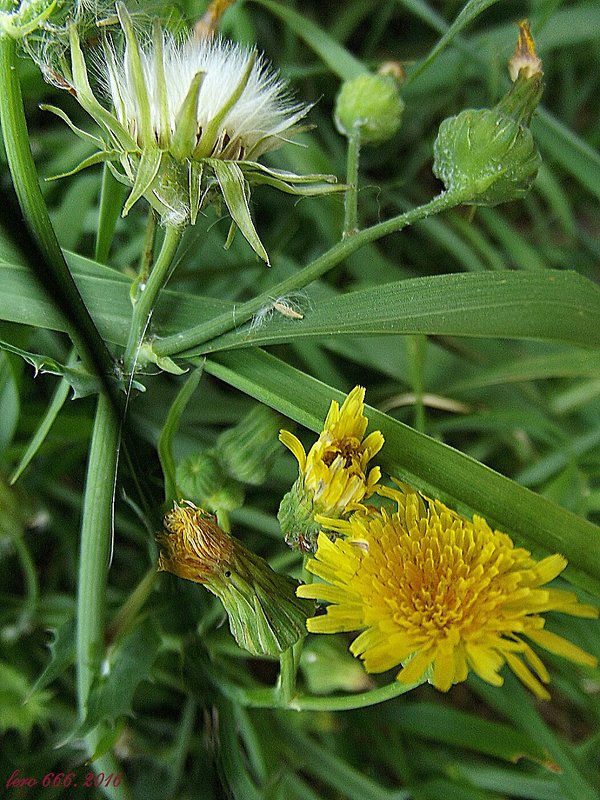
x,y
265,615
439,595
333,479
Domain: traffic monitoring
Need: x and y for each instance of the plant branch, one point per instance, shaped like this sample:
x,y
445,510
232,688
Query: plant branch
x,y
182,342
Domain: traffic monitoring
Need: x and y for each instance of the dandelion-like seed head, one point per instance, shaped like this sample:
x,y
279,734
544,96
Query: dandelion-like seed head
x,y
441,595
334,477
191,117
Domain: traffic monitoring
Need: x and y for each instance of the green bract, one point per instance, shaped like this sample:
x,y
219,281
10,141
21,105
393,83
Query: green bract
x,y
490,154
486,154
190,119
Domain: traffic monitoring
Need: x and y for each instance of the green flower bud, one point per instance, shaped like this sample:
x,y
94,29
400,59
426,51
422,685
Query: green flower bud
x,y
489,155
247,450
202,478
265,616
371,104
486,155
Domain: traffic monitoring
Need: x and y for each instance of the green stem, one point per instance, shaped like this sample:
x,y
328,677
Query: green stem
x,y
148,294
183,341
95,547
286,683
94,557
270,698
51,268
351,200
111,202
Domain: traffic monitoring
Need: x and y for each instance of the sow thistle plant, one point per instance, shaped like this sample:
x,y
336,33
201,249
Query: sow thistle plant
x,y
430,594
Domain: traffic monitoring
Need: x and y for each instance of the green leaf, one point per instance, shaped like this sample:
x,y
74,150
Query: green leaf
x,y
464,730
337,58
20,707
548,305
10,401
566,148
80,381
129,664
170,428
233,186
62,655
51,412
437,469
470,12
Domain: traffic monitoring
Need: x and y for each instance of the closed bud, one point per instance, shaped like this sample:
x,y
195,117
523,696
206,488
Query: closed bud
x,y
265,615
489,155
247,450
371,105
202,478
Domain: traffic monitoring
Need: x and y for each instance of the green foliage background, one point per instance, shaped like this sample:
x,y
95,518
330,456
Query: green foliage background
x,y
478,339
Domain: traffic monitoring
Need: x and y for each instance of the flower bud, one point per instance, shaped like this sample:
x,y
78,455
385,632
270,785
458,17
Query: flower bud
x,y
489,155
265,616
247,450
370,104
485,155
202,478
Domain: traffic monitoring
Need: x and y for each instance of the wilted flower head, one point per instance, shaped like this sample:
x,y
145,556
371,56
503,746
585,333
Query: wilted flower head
x,y
440,595
190,119
265,615
524,59
333,478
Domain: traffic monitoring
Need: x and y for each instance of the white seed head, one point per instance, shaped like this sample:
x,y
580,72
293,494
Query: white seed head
x,y
255,122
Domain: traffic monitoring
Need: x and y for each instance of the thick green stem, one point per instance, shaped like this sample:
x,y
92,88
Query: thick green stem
x,y
148,293
95,547
180,343
51,268
94,557
351,200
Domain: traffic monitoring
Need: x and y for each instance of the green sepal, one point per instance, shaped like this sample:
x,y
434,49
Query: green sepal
x,y
90,161
296,517
522,98
146,173
289,182
86,98
81,134
134,58
186,123
161,86
195,187
265,616
233,187
209,134
485,155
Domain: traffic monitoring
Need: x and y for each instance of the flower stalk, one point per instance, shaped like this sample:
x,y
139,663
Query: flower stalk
x,y
188,342
148,293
